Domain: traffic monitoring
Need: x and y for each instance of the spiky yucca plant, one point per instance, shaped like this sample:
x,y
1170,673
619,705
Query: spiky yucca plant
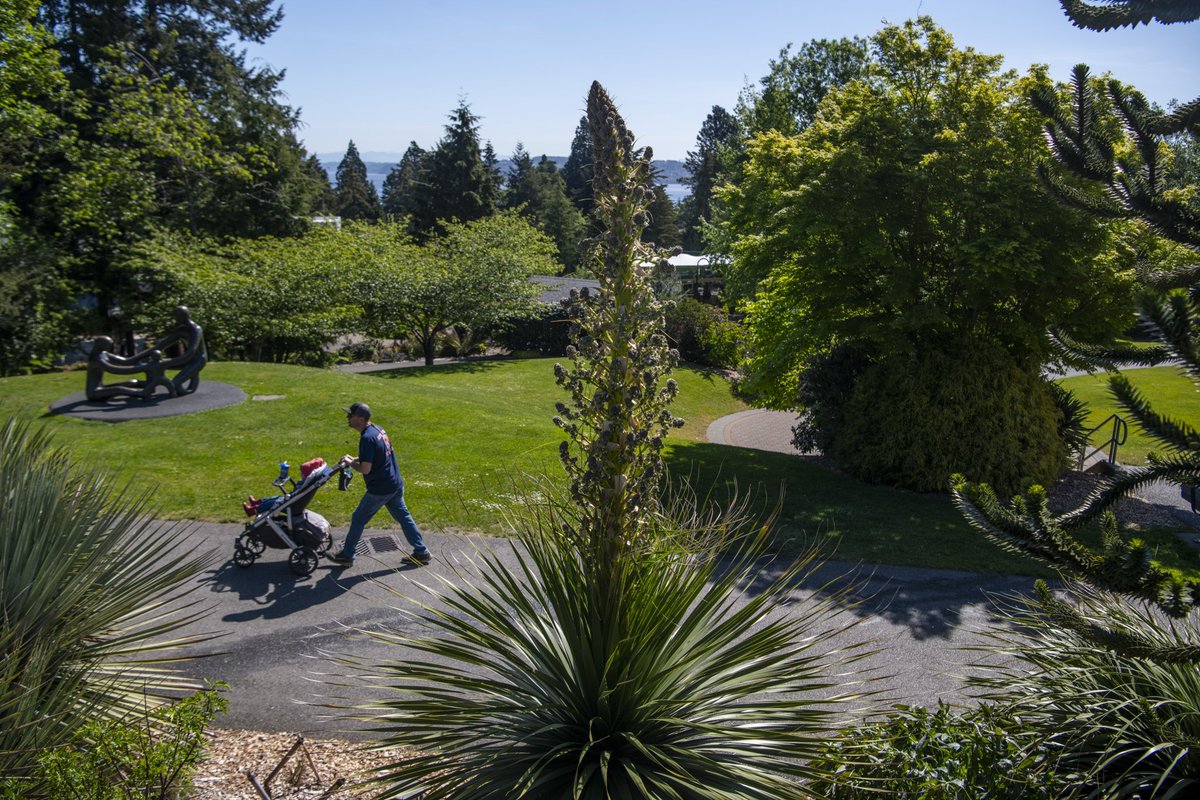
x,y
89,589
622,659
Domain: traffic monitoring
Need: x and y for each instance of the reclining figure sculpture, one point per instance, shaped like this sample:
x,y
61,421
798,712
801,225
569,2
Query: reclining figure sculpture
x,y
152,365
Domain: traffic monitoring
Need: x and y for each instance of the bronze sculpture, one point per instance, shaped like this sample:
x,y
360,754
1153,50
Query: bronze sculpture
x,y
187,337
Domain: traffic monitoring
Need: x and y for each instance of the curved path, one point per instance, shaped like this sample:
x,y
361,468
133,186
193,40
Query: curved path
x,y
280,635
758,428
762,429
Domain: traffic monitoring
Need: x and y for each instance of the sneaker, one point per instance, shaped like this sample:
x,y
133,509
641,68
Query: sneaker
x,y
340,558
420,559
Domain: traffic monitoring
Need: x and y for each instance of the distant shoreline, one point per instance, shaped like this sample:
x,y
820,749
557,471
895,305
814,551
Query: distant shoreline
x,y
671,171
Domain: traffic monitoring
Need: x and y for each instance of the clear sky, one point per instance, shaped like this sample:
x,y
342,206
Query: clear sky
x,y
387,72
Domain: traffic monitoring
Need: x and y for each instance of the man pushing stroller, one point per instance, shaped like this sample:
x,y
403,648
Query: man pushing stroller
x,y
376,462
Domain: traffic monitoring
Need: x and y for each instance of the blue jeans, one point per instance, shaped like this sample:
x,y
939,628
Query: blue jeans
x,y
369,506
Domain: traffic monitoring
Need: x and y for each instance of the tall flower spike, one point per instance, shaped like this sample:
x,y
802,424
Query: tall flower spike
x,y
620,411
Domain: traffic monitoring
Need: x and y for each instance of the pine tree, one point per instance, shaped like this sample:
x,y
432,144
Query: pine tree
x,y
518,190
703,164
663,226
577,172
540,194
325,200
460,185
1112,182
356,196
403,187
494,186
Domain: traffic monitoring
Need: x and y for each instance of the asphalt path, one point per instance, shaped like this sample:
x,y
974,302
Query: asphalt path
x,y
281,637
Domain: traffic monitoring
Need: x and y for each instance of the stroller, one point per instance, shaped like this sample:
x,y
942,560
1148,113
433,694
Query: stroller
x,y
285,521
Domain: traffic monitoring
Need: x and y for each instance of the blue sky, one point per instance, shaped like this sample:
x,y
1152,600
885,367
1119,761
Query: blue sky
x,y
386,72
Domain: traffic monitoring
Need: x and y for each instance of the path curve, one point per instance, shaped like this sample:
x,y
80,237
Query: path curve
x,y
758,429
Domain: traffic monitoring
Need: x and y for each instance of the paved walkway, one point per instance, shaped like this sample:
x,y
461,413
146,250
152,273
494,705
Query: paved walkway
x,y
758,429
281,636
762,429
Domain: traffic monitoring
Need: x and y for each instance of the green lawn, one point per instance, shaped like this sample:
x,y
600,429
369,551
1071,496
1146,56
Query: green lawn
x,y
465,435
1169,391
462,433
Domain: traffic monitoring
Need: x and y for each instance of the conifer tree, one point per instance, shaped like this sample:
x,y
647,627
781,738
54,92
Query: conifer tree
x,y
703,165
1110,14
517,188
494,185
356,195
557,215
540,195
460,185
577,172
325,199
1133,187
403,187
662,227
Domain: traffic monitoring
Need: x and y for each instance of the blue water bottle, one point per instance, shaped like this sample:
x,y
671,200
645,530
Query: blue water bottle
x,y
283,472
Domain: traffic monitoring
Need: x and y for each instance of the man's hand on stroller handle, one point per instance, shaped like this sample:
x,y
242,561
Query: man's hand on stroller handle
x,y
355,464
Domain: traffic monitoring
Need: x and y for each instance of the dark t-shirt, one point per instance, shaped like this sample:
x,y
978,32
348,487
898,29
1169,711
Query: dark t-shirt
x,y
375,447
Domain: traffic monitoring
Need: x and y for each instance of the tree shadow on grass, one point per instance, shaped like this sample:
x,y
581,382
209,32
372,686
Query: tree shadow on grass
x,y
905,557
471,366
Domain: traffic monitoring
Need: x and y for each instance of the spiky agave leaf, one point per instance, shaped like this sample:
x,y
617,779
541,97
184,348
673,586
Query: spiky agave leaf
x,y
1127,716
696,690
90,587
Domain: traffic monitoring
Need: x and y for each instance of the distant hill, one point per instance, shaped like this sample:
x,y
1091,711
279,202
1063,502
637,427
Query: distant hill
x,y
380,164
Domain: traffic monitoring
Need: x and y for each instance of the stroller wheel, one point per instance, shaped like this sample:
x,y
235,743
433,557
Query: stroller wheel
x,y
254,545
243,556
326,543
303,560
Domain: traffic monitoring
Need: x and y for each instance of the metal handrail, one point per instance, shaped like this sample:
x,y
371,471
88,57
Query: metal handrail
x,y
1118,436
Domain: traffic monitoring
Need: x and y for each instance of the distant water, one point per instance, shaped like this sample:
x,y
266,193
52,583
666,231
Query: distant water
x,y
677,191
376,173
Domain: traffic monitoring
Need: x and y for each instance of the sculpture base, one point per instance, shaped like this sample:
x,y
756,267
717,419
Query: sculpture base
x,y
208,395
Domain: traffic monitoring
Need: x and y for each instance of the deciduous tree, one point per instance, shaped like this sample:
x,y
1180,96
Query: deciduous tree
x,y
476,274
906,220
162,124
787,97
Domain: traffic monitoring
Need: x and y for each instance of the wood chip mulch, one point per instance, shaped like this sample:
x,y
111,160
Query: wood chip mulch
x,y
1073,488
231,753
